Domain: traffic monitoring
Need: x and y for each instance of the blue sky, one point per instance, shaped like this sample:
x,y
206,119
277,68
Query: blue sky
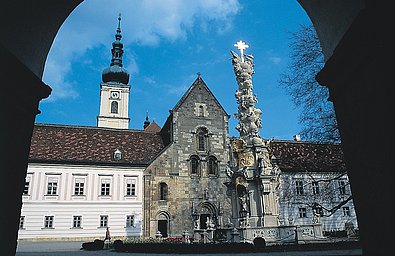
x,y
166,44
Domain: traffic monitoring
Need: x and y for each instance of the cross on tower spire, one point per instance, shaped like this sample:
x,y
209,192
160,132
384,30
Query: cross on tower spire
x,y
118,35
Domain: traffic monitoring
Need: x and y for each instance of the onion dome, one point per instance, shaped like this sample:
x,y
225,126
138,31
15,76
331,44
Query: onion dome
x,y
116,73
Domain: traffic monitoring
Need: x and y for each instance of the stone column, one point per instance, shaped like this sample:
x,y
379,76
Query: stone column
x,y
360,79
19,107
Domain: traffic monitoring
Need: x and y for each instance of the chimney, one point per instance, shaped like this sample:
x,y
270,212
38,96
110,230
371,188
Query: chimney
x,y
297,137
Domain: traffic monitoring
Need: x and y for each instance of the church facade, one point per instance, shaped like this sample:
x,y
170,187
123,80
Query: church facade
x,y
183,186
187,178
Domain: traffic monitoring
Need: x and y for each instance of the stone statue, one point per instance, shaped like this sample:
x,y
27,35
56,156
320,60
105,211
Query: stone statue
x,y
196,224
209,223
228,171
206,195
229,223
249,116
316,216
244,203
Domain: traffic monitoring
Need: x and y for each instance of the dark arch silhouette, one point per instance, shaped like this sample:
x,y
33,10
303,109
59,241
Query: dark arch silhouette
x,y
259,242
163,223
358,45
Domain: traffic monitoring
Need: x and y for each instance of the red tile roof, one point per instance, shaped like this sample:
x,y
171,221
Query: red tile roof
x,y
79,144
152,127
62,143
308,156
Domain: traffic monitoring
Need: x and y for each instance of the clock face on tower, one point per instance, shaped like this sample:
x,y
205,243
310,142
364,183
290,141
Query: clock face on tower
x,y
114,95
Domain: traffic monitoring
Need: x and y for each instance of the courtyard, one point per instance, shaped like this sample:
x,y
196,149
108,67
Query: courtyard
x,y
62,248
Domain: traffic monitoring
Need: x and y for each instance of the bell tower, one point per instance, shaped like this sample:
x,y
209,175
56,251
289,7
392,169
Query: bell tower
x,y
114,90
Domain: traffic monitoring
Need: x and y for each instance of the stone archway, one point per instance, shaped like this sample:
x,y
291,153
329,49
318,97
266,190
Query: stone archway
x,y
207,213
357,41
163,223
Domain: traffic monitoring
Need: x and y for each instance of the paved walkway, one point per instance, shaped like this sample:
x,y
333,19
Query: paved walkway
x,y
74,248
48,246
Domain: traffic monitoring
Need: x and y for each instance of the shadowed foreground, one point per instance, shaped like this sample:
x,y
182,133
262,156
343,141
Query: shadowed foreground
x,y
74,248
213,248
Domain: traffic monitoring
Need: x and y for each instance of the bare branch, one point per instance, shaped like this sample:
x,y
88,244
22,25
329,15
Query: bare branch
x,y
333,209
317,116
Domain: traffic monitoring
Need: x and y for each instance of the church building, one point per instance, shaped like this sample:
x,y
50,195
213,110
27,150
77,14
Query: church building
x,y
188,178
183,186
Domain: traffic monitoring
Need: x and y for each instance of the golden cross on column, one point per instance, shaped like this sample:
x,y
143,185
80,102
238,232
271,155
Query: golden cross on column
x,y
241,46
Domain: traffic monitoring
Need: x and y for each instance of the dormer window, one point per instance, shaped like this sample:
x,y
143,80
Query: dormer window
x,y
117,155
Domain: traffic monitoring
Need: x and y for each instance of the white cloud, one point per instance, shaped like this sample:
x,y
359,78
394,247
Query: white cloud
x,y
273,57
132,66
54,77
275,60
149,80
177,90
145,22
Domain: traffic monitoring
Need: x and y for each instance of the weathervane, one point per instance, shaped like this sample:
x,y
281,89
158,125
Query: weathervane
x,y
241,46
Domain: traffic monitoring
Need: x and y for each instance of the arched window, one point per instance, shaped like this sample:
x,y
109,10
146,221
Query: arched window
x,y
201,139
201,111
114,107
194,162
162,191
212,165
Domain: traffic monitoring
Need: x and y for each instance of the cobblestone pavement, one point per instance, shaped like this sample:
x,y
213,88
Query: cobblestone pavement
x,y
74,248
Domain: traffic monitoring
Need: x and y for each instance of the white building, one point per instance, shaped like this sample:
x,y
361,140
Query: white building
x,y
314,186
74,201
81,180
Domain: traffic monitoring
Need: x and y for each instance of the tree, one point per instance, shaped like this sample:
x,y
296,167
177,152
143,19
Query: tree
x,y
317,117
318,190
316,197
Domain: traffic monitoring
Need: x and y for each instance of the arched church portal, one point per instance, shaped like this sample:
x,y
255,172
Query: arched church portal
x,y
207,215
163,223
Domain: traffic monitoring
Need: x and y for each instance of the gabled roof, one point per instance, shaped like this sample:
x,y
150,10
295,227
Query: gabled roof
x,y
152,127
308,156
197,82
92,145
